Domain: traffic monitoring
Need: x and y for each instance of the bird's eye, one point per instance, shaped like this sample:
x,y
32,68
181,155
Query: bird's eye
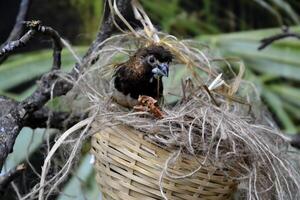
x,y
151,60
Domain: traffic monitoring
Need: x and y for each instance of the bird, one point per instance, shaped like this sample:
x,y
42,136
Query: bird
x,y
141,74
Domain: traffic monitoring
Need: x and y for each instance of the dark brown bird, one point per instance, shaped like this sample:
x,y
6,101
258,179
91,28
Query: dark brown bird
x,y
141,75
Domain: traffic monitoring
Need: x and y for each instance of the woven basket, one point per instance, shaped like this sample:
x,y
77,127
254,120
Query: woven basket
x,y
128,167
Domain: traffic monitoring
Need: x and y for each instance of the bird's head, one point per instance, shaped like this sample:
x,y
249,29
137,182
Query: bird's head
x,y
156,59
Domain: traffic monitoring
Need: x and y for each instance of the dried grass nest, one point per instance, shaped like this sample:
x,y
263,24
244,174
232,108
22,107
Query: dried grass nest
x,y
220,119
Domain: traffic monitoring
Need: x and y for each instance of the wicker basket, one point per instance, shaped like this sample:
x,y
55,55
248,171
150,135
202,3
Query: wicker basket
x,y
128,168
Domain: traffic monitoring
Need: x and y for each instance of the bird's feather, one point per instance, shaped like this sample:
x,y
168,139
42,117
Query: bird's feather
x,y
135,77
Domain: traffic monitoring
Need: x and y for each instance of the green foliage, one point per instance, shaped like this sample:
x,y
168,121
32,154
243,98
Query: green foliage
x,y
27,142
192,18
274,70
173,18
90,14
83,184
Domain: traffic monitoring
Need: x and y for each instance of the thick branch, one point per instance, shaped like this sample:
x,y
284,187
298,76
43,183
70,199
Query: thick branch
x,y
10,126
58,120
11,122
6,105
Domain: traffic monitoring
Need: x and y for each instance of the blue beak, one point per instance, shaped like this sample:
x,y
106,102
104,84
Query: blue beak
x,y
162,69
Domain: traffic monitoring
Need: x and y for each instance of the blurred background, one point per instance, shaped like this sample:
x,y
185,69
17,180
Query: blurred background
x,y
230,28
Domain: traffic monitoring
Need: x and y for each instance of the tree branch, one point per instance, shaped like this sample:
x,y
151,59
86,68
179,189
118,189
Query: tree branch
x,y
285,34
8,177
58,120
18,27
14,118
34,28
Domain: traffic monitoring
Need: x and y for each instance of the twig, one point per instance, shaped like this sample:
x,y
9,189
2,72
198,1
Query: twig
x,y
36,27
210,95
285,34
18,27
8,177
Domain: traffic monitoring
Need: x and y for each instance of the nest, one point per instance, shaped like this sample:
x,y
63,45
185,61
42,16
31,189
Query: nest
x,y
129,167
220,120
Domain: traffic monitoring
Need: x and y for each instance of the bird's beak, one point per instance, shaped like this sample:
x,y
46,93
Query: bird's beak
x,y
162,69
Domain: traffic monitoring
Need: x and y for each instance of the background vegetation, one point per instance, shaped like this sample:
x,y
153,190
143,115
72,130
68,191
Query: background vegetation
x,y
229,28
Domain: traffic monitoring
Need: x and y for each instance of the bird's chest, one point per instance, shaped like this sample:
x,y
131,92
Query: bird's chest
x,y
123,99
127,89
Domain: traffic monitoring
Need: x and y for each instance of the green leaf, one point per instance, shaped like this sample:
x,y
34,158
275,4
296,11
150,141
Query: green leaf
x,y
82,185
276,106
287,93
276,69
293,110
280,59
288,9
27,142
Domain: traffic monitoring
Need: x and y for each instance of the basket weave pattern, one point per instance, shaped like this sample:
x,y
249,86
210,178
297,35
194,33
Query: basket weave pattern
x,y
128,167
